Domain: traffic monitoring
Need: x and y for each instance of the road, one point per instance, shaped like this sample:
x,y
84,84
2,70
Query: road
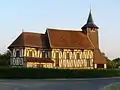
x,y
57,84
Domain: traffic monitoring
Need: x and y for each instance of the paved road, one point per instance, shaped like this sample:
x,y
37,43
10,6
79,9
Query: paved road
x,y
58,84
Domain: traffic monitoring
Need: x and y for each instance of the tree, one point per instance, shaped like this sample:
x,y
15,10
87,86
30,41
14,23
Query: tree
x,y
117,61
5,58
111,63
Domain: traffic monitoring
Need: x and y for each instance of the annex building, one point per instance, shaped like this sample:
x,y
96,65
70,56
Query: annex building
x,y
68,49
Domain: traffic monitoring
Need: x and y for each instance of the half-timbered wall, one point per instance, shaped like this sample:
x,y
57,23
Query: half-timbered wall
x,y
19,54
39,65
63,58
32,52
38,53
73,58
17,58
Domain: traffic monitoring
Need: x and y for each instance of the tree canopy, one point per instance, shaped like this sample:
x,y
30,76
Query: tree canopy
x,y
5,58
112,63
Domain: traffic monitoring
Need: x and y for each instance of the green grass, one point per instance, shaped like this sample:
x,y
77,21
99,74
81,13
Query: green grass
x,y
114,86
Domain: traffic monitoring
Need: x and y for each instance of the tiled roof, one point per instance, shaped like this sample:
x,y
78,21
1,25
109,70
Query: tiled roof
x,y
68,39
56,38
98,57
29,39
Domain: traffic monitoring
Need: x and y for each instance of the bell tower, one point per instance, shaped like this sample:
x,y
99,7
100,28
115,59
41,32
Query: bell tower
x,y
91,30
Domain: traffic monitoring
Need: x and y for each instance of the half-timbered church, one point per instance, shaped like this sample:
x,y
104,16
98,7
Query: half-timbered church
x,y
68,49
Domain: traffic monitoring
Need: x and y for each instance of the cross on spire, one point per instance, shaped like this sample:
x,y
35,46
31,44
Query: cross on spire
x,y
22,29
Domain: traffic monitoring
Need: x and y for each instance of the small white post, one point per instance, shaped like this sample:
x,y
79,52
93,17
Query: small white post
x,y
105,66
95,65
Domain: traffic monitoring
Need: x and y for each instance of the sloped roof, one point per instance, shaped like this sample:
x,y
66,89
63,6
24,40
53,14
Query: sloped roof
x,y
55,38
68,39
29,39
98,57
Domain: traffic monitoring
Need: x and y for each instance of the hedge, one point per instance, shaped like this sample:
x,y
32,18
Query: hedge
x,y
42,73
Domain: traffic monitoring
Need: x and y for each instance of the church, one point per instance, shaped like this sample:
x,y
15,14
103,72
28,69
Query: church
x,y
56,48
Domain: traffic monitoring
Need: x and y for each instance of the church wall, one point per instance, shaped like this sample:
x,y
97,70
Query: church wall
x,y
29,52
73,61
67,58
32,52
93,35
17,59
39,65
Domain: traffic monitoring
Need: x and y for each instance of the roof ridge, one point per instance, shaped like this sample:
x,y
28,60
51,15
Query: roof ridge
x,y
63,29
33,32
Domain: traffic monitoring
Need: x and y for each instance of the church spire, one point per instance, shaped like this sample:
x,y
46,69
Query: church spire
x,y
90,19
90,22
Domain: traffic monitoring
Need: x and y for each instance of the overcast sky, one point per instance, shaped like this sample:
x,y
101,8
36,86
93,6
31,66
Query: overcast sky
x,y
37,15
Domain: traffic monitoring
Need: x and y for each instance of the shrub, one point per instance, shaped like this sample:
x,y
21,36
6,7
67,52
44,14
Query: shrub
x,y
43,73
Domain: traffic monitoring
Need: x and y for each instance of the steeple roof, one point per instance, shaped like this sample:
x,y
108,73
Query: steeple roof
x,y
90,22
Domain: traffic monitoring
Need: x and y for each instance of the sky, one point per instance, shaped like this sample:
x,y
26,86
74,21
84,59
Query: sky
x,y
37,15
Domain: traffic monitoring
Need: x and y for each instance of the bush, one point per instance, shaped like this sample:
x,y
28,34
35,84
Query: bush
x,y
42,73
